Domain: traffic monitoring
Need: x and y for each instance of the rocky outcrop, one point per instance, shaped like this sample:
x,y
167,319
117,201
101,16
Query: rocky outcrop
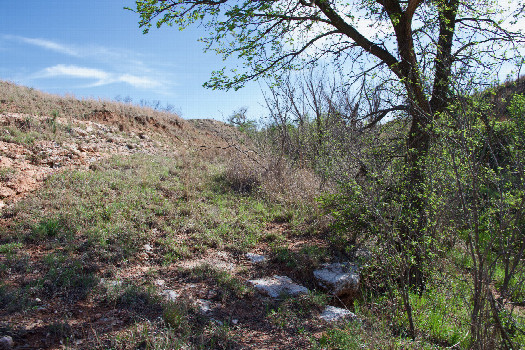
x,y
339,279
277,286
334,314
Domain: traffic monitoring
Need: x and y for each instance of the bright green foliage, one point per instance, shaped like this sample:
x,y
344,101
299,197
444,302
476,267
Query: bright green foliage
x,y
267,37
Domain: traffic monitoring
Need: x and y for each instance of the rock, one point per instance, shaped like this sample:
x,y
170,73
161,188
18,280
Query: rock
x,y
235,321
204,305
6,192
278,285
255,258
341,280
6,343
336,314
160,283
170,295
148,248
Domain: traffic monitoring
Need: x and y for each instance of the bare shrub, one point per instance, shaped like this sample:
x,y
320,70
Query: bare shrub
x,y
274,177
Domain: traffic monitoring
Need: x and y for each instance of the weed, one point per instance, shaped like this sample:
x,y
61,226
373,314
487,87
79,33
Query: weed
x,y
230,286
46,228
6,174
67,277
10,248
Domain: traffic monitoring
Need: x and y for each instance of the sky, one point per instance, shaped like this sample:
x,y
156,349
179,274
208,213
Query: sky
x,y
96,49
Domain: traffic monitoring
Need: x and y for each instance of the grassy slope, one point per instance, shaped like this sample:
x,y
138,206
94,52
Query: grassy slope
x,y
85,259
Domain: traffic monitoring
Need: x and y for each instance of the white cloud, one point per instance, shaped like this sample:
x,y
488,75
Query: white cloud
x,y
74,71
139,82
101,77
49,45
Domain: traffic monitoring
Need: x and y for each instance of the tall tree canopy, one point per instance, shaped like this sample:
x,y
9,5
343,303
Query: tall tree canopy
x,y
420,45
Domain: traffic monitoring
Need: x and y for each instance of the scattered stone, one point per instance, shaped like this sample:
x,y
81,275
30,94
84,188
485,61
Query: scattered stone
x,y
110,283
170,295
6,343
160,283
278,285
255,258
341,280
204,305
336,314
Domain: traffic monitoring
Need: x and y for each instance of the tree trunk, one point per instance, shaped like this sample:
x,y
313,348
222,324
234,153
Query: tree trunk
x,y
414,216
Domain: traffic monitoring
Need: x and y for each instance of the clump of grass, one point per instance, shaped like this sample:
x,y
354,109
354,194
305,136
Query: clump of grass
x,y
67,277
137,299
145,335
292,312
6,174
14,299
229,285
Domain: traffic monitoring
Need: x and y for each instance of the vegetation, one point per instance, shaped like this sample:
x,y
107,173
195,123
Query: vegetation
x,y
420,182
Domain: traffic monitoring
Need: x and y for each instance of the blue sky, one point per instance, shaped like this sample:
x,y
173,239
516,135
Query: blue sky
x,y
96,49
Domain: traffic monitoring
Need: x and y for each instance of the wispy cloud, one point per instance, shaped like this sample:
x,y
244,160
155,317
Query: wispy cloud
x,y
120,65
101,77
47,44
80,51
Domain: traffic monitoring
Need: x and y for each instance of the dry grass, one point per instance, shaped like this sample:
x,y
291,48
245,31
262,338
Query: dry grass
x,y
273,177
20,99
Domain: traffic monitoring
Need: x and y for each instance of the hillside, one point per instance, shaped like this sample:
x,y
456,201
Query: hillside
x,y
128,228
122,227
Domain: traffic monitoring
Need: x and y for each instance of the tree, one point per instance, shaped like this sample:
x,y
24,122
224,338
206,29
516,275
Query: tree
x,y
419,46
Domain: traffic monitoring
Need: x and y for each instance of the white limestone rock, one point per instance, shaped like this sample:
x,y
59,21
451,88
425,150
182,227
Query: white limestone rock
x,y
334,314
170,295
278,285
339,279
6,343
255,258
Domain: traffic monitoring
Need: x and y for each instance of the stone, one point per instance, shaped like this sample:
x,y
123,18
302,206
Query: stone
x,y
6,343
204,305
335,314
160,283
148,248
278,285
255,258
339,279
170,295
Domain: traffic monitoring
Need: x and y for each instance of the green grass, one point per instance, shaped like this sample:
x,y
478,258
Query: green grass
x,y
126,202
229,285
7,174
